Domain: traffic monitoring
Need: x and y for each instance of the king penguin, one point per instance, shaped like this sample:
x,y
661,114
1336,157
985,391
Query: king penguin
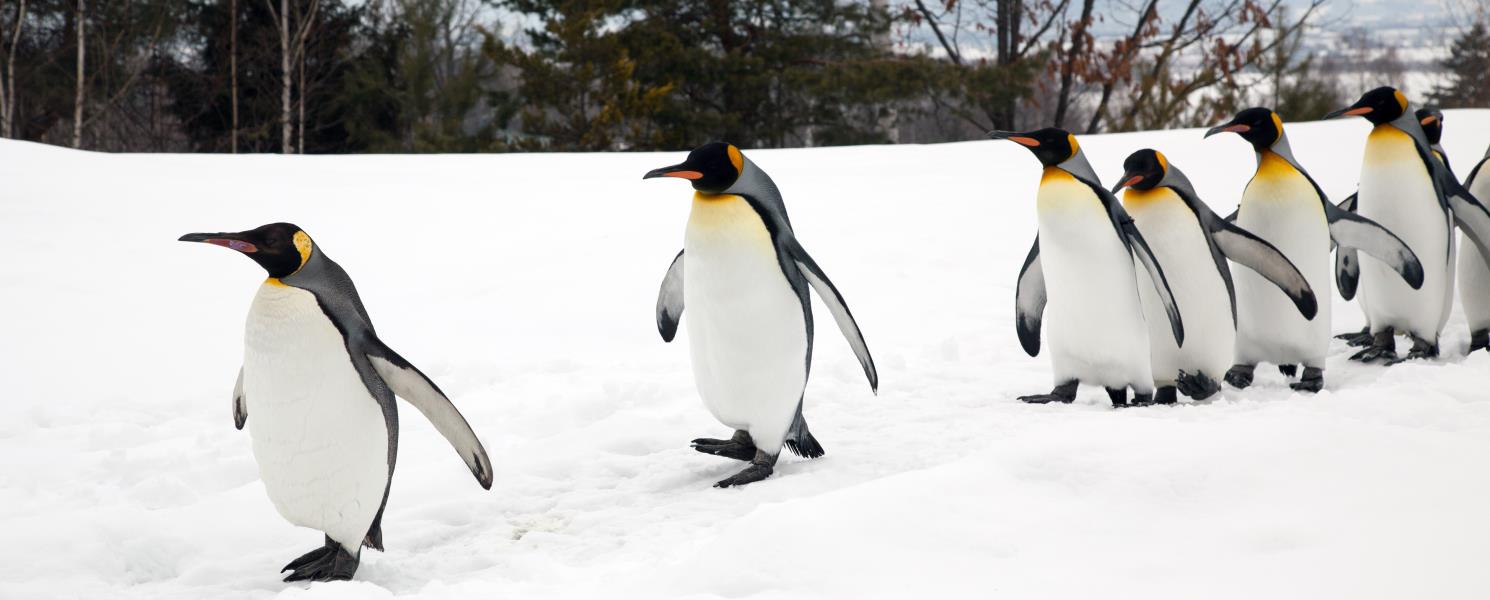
x,y
1283,205
320,385
1081,265
1476,296
1405,188
1193,243
1474,270
744,278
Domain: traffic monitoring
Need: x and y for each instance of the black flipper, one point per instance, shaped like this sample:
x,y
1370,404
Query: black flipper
x,y
670,299
1156,274
1350,230
1255,253
1029,301
836,305
240,403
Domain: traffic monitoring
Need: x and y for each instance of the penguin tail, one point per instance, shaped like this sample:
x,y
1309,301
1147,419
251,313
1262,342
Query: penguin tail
x,y
374,538
800,440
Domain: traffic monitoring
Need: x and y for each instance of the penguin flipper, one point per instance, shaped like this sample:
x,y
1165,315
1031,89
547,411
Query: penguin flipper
x,y
1029,301
836,305
240,404
1471,217
670,299
1255,253
1145,255
1350,230
1347,263
414,387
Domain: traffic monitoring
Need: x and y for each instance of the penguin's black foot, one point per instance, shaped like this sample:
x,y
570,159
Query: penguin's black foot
x,y
1288,370
1383,347
330,562
1199,386
760,468
1119,397
1240,376
1165,395
1357,339
1312,381
1420,349
739,447
1479,340
1064,393
1140,400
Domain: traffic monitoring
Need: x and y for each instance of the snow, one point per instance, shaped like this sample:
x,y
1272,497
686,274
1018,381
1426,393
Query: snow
x,y
524,285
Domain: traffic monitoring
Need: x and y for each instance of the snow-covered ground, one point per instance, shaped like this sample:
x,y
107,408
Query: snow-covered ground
x,y
524,285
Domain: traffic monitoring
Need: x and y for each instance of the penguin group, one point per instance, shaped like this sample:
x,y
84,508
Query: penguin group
x,y
1138,293
1174,326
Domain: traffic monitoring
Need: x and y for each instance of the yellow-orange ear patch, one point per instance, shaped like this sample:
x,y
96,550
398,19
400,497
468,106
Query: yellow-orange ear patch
x,y
1163,162
1075,147
736,159
1401,99
1278,124
302,243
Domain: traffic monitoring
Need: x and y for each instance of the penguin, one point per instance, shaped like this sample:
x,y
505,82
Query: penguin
x,y
1404,187
1474,270
320,385
1283,205
1194,243
745,278
1082,266
1431,119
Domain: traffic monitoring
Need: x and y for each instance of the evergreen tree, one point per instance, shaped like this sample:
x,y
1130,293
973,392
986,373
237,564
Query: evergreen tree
x,y
1468,64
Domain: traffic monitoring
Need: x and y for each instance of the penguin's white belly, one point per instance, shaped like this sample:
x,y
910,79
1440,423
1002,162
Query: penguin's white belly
x,y
746,329
1397,192
1474,274
1173,233
1282,207
319,437
1093,318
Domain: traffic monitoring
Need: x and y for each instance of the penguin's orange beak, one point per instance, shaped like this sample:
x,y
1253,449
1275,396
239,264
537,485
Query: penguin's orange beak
x,y
1237,128
1428,120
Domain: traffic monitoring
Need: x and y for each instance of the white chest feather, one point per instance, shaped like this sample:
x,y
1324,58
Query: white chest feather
x,y
1173,233
319,437
1094,320
1397,192
746,330
1282,207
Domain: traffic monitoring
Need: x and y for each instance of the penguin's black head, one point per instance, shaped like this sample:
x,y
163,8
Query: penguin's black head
x,y
281,248
1051,145
1381,105
1432,121
1261,127
712,167
1143,170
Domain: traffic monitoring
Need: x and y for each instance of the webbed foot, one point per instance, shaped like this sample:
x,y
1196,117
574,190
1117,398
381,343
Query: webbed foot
x,y
1064,393
760,468
1240,376
330,562
739,447
1312,381
1199,386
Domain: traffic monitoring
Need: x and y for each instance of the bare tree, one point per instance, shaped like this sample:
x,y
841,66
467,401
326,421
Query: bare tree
x,y
292,52
8,83
80,22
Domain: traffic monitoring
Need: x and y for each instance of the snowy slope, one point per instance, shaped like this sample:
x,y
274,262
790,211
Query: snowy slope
x,y
524,285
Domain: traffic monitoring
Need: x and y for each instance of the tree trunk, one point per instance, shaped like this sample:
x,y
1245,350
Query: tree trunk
x,y
8,85
300,133
284,72
233,68
78,96
1078,35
